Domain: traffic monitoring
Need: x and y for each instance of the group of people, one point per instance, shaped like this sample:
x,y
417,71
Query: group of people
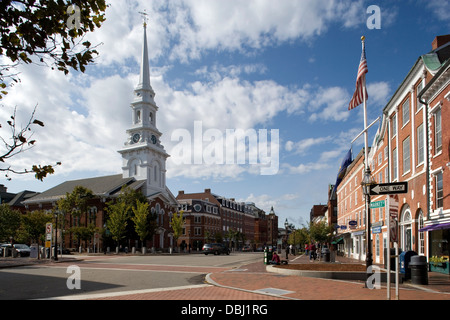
x,y
314,251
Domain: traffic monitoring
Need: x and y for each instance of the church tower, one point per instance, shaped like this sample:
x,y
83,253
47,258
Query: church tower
x,y
144,158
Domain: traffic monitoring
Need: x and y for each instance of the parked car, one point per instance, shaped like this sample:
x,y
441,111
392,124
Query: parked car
x,y
22,250
215,248
247,249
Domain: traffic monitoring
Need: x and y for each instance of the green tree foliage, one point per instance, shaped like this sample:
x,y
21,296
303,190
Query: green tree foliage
x,y
117,220
10,221
177,224
33,226
320,232
140,219
49,33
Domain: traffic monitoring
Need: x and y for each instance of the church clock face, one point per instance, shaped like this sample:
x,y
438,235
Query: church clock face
x,y
136,138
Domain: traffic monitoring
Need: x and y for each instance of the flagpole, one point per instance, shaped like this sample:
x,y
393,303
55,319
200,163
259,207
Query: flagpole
x,y
367,178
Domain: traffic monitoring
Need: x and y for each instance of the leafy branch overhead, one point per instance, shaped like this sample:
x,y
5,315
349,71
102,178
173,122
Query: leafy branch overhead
x,y
39,31
48,33
22,140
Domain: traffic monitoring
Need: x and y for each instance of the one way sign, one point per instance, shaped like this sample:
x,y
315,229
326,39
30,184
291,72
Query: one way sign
x,y
389,188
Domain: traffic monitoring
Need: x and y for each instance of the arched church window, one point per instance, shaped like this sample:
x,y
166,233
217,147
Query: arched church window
x,y
151,118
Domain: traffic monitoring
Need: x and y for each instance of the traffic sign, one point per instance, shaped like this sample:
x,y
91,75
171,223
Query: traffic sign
x,y
48,231
377,204
389,188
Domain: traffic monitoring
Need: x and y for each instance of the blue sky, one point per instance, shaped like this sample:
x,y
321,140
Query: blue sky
x,y
286,65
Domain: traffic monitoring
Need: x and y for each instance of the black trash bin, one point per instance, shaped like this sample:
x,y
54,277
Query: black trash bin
x,y
419,270
326,255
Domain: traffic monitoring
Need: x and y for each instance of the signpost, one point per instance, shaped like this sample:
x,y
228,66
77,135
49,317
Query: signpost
x,y
377,204
389,188
48,238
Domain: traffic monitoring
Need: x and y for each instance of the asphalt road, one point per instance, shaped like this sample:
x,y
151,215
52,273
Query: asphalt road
x,y
116,274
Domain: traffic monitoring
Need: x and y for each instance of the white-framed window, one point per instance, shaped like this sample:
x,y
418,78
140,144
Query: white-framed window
x,y
421,235
419,88
406,155
420,145
439,190
438,131
406,110
394,126
394,164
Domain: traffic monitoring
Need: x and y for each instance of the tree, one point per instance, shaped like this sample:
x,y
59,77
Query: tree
x,y
50,30
76,205
177,223
33,226
10,221
44,32
117,220
320,231
140,219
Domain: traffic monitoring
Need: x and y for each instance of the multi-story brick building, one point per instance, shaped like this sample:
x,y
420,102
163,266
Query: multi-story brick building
x,y
250,222
436,97
399,154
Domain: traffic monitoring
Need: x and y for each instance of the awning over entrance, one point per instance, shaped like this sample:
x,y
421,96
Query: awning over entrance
x,y
338,241
433,227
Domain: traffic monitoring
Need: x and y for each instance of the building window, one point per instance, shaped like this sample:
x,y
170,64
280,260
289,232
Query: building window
x,y
394,164
438,131
405,112
394,125
439,191
420,145
406,155
421,235
418,104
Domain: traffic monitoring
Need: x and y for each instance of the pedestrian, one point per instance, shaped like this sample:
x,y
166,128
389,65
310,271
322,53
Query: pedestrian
x,y
312,252
291,249
306,248
275,259
287,252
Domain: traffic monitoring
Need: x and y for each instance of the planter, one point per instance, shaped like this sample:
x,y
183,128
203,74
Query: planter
x,y
441,267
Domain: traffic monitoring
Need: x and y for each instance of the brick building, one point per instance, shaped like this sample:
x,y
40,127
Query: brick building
x,y
411,121
436,97
250,222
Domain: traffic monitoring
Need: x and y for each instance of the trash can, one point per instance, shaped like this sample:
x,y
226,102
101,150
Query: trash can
x,y
404,260
326,255
269,254
419,270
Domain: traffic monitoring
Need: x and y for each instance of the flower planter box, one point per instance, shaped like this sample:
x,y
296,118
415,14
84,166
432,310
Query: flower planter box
x,y
442,267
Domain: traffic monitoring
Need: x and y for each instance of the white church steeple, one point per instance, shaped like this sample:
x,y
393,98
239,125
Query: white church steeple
x,y
144,158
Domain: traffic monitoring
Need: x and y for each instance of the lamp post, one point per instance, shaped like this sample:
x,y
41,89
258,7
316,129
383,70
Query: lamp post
x,y
286,225
55,254
366,184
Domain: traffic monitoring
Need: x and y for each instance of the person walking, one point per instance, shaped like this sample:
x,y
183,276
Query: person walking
x,y
312,252
287,252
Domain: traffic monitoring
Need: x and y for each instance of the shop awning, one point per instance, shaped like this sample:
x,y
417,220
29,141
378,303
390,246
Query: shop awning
x,y
338,241
434,227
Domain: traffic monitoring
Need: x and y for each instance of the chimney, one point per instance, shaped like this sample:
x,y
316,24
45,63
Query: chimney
x,y
439,41
3,188
207,190
180,193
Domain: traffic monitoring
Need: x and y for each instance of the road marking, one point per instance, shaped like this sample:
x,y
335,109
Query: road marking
x,y
124,293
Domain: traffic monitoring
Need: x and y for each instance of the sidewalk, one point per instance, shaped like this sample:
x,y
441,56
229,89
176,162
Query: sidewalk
x,y
255,278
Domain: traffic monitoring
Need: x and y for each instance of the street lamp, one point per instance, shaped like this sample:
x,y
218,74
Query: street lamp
x,y
55,255
366,184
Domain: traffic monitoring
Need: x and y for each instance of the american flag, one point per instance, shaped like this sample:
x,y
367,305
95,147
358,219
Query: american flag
x,y
358,96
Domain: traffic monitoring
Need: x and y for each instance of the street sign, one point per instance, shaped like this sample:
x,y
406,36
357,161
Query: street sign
x,y
389,188
377,204
48,231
